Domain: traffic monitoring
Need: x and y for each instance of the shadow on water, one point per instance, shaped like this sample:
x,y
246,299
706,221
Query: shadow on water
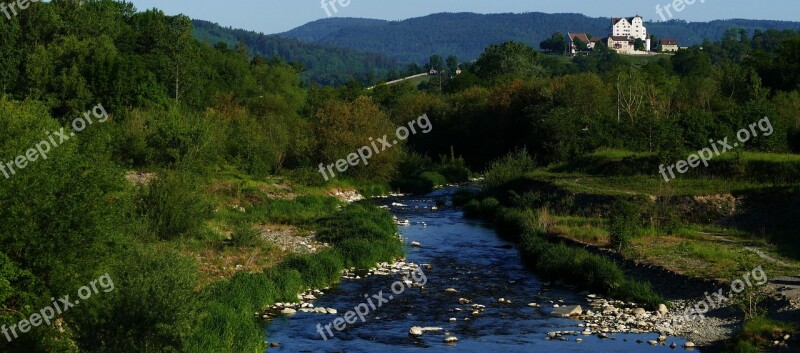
x,y
465,255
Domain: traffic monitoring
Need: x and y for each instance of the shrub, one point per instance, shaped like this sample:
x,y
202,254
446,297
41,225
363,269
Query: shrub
x,y
638,292
601,273
623,223
154,300
357,222
176,137
433,178
488,208
173,206
513,166
454,169
318,270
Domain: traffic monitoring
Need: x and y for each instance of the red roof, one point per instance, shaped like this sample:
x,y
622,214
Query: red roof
x,y
578,36
669,41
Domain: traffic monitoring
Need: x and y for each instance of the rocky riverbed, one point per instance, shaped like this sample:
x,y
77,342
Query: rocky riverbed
x,y
479,296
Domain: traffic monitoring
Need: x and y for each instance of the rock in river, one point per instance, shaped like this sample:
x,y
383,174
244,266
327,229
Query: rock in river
x,y
567,311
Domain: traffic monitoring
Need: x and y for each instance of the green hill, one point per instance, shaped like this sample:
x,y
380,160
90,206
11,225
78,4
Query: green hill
x,y
466,35
323,64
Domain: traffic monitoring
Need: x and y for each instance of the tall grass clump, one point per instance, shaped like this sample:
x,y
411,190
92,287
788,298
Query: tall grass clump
x,y
303,210
511,167
486,208
245,235
317,270
356,222
174,206
362,235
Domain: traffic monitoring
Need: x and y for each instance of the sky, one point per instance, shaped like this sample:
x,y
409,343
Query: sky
x,y
276,16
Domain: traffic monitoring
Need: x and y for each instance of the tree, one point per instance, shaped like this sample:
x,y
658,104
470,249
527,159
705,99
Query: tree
x,y
580,45
692,62
508,60
639,44
342,128
452,63
555,44
630,89
436,63
11,53
623,223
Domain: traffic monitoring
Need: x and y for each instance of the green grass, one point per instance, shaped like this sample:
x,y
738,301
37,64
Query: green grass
x,y
584,229
361,236
758,333
648,185
617,172
561,262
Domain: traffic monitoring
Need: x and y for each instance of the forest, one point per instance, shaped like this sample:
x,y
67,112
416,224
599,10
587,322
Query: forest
x,y
213,121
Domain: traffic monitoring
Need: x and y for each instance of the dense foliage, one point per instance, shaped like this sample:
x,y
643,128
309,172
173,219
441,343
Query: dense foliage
x,y
188,111
321,64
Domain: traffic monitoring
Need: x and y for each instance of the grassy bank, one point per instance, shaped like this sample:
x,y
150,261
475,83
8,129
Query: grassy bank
x,y
759,334
712,225
361,236
557,261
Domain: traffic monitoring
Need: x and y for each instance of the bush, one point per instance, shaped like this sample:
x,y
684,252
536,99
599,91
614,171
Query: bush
x,y
638,292
173,206
433,178
624,222
154,300
357,222
454,169
513,166
317,271
601,273
488,208
176,137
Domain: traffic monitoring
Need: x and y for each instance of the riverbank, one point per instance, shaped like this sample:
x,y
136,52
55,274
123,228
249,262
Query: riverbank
x,y
478,296
675,259
268,241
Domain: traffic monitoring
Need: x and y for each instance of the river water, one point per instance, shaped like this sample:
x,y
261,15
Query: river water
x,y
466,255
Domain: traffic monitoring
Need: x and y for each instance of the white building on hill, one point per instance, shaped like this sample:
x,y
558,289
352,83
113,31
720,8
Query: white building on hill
x,y
630,27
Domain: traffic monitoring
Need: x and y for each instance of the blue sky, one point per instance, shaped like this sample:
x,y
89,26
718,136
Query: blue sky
x,y
275,16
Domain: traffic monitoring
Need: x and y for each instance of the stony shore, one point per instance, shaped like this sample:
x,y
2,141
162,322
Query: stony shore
x,y
305,303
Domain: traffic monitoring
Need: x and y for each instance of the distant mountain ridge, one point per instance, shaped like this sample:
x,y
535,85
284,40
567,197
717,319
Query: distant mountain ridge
x,y
323,64
466,35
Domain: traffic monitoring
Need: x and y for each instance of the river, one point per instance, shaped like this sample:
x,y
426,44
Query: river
x,y
466,255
